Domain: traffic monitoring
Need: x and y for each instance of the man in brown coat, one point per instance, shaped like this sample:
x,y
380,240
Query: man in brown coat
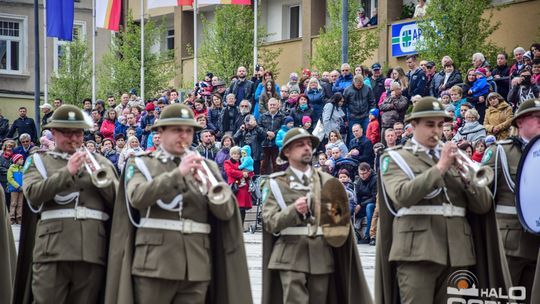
x,y
426,233
172,242
521,247
300,265
71,239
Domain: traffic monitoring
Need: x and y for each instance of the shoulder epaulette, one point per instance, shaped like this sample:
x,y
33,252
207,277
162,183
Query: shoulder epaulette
x,y
276,174
505,142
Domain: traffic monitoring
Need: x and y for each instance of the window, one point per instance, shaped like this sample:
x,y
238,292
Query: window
x,y
170,43
61,47
294,22
12,41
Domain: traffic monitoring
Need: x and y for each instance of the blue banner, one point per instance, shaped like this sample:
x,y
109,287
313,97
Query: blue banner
x,y
60,19
405,37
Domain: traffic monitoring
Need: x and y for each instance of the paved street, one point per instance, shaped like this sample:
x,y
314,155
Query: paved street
x,y
254,254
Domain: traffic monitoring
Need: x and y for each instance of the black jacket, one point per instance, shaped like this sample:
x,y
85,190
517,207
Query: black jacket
x,y
45,118
417,82
377,86
252,137
366,190
365,149
228,119
272,124
23,125
4,127
359,101
248,87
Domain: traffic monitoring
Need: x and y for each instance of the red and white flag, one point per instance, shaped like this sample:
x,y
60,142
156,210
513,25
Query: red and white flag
x,y
240,2
166,3
108,14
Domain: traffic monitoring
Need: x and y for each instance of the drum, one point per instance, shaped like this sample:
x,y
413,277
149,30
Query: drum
x,y
528,187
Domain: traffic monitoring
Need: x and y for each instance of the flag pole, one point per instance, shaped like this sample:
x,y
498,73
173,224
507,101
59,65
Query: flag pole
x,y
94,34
37,90
142,50
255,32
195,66
45,66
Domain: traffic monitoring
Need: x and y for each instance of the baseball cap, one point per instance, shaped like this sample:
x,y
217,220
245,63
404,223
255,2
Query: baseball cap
x,y
46,105
376,66
430,64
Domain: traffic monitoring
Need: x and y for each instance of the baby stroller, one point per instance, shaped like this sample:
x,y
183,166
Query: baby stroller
x,y
258,183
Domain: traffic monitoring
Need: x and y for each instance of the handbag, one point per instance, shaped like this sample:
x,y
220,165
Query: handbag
x,y
319,130
234,187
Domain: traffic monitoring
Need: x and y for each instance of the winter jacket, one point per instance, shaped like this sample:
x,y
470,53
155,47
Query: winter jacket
x,y
377,86
332,118
453,79
235,175
339,144
5,163
297,114
4,127
500,117
228,119
373,132
327,90
394,110
23,152
107,129
280,135
252,137
246,162
247,92
147,120
207,152
359,102
15,178
23,125
366,190
365,150
316,101
213,118
113,157
260,89
272,124
417,82
457,107
220,159
471,132
342,83
480,87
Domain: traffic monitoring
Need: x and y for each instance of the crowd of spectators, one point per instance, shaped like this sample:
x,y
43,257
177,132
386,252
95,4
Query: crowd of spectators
x,y
356,113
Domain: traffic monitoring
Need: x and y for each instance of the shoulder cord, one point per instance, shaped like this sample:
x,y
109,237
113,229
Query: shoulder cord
x,y
59,199
506,171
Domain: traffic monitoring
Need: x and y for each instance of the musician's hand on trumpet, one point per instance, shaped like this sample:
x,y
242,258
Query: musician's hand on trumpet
x,y
75,162
448,157
190,164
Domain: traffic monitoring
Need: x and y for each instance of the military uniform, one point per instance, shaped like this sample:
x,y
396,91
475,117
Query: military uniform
x,y
425,215
521,247
9,256
299,264
71,240
173,227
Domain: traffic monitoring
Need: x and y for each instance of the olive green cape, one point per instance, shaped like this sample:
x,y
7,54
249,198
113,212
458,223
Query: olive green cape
x,y
230,278
9,256
491,268
347,284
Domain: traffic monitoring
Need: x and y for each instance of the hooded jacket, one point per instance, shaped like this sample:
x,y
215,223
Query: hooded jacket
x,y
246,162
252,137
342,83
359,101
366,190
271,123
499,116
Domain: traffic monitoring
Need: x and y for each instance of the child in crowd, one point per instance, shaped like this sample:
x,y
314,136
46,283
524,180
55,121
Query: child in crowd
x,y
345,179
15,182
387,84
456,95
445,98
246,163
479,148
490,140
306,123
480,86
288,123
373,132
321,164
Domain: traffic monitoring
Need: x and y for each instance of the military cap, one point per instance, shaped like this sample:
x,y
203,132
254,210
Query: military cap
x,y
528,106
176,114
428,107
68,117
294,134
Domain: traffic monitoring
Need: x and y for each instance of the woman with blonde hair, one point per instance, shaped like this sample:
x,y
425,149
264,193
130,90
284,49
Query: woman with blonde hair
x,y
133,146
498,118
398,74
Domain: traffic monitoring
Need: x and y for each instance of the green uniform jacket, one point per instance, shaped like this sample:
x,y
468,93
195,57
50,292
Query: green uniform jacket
x,y
305,254
219,257
60,239
452,241
517,242
9,256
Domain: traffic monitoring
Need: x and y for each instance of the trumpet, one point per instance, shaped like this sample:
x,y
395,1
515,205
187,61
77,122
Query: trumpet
x,y
218,192
100,176
472,172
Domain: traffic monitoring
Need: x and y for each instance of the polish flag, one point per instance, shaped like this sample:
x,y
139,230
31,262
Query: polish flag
x,y
108,14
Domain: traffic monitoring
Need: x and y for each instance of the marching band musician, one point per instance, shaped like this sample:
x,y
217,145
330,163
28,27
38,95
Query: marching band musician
x,y
171,243
71,239
432,221
521,247
299,264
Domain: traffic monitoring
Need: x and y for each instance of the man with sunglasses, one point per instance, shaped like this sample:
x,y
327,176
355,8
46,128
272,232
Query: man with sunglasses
x,y
23,124
345,79
71,239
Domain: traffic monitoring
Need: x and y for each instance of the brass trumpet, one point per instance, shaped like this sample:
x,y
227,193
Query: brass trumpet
x,y
218,192
100,176
477,174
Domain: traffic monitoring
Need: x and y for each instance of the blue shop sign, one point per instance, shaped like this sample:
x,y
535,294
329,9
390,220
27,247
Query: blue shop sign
x,y
405,37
